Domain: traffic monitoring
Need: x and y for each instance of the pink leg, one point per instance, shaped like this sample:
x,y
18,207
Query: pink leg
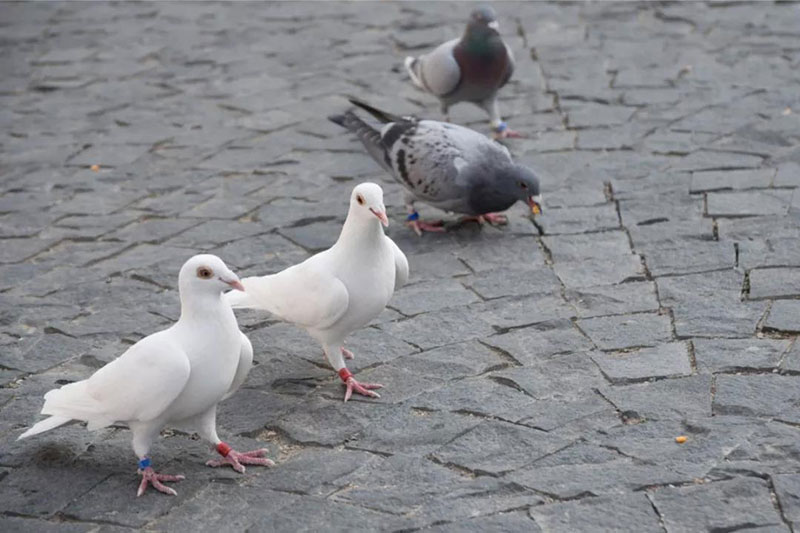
x,y
496,219
154,478
437,226
361,388
502,131
347,353
236,460
509,134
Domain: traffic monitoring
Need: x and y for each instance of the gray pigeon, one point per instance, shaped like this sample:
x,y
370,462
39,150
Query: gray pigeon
x,y
445,165
470,69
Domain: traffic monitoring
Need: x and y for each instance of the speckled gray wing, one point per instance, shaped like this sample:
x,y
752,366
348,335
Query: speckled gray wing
x,y
432,161
437,71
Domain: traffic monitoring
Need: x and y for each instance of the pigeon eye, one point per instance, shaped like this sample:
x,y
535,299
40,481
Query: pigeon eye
x,y
360,199
204,273
523,185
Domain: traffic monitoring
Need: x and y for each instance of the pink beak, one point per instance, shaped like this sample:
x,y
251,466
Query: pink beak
x,y
381,216
235,284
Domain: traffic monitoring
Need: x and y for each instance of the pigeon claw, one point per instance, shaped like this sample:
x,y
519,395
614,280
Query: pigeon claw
x,y
420,225
347,354
237,460
512,134
154,478
495,219
507,133
361,388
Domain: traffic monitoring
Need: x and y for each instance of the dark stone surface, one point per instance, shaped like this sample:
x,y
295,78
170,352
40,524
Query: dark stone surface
x,y
664,361
536,374
606,513
626,331
725,505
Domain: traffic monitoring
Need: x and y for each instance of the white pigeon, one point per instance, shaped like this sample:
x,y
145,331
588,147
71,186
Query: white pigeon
x,y
174,378
340,290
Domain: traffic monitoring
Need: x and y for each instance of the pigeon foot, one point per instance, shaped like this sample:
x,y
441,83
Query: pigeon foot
x,y
347,353
437,226
495,219
154,478
508,134
237,460
361,388
502,131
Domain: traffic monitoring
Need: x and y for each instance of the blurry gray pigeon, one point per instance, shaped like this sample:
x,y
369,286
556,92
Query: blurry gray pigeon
x,y
445,165
174,378
470,69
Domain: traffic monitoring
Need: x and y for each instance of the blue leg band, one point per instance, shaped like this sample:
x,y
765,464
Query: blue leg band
x,y
501,127
144,463
413,216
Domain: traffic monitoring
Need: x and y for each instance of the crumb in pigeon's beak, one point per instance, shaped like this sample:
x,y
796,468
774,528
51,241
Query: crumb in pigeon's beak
x,y
235,284
494,25
535,202
381,216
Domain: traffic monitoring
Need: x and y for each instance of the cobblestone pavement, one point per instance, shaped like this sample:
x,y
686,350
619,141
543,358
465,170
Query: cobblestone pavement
x,y
537,375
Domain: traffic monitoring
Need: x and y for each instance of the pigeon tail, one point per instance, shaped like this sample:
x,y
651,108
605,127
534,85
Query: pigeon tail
x,y
73,402
369,136
411,67
383,116
45,425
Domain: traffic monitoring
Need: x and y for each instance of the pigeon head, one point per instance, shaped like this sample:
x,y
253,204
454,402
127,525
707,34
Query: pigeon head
x,y
521,183
206,273
366,202
482,21
526,184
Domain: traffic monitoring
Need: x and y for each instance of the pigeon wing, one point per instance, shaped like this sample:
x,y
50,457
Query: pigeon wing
x,y
509,67
303,294
430,159
400,265
138,386
245,364
438,70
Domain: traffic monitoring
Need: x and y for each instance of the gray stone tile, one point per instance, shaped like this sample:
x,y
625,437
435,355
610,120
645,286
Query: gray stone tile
x,y
716,180
532,345
489,285
429,296
680,398
726,505
710,304
774,283
758,395
663,361
495,447
625,331
787,489
731,355
480,396
607,513
741,204
613,299
431,330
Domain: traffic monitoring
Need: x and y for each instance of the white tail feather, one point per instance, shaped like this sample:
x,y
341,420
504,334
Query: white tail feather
x,y
45,425
73,402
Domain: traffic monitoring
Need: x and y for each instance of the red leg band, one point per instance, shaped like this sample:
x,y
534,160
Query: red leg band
x,y
345,374
223,449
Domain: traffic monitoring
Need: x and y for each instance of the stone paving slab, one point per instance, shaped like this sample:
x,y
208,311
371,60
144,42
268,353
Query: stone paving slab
x,y
537,374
